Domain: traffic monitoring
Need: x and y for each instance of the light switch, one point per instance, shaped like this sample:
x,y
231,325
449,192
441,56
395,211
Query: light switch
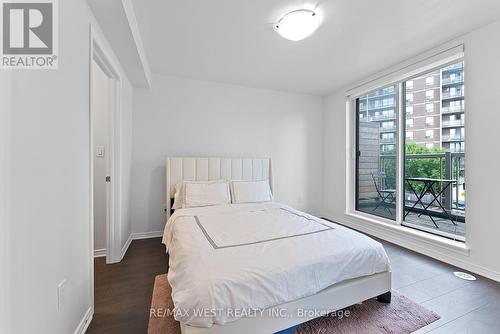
x,y
99,151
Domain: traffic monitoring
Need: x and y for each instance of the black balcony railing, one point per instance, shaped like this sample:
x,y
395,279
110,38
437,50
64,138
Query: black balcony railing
x,y
447,165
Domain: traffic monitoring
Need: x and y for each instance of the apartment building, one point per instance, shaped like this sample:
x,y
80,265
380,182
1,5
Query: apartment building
x,y
434,107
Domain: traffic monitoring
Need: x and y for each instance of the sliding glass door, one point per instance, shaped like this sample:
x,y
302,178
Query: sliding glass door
x,y
376,125
432,152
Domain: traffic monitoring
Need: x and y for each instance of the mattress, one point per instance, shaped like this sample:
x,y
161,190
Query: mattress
x,y
226,262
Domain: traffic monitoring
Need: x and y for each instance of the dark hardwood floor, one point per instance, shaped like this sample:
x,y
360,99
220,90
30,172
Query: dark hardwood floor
x,y
123,290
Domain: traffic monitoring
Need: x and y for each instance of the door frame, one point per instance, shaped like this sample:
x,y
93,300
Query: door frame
x,y
102,56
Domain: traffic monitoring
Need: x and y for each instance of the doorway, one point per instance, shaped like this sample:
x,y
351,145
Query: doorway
x,y
101,122
105,156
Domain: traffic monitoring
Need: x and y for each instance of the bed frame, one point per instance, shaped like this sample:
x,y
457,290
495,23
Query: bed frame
x,y
333,298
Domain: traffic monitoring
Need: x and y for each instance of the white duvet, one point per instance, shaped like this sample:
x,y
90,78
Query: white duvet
x,y
226,260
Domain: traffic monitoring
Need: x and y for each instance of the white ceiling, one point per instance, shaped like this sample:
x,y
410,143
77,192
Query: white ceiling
x,y
233,41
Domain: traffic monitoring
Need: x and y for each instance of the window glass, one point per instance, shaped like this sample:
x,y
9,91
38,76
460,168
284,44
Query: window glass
x,y
429,95
376,154
434,149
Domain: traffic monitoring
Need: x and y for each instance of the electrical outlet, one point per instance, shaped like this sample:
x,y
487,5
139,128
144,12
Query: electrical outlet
x,y
60,295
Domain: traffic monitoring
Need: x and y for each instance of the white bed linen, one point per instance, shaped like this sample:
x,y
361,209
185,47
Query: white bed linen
x,y
244,257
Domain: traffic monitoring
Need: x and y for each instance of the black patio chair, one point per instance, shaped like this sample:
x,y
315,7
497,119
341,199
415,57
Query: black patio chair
x,y
387,196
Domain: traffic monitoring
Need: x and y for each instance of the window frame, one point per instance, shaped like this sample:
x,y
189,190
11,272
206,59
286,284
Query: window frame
x,y
429,121
430,109
427,97
352,138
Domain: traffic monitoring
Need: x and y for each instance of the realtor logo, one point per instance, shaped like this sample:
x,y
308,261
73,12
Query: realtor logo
x,y
29,34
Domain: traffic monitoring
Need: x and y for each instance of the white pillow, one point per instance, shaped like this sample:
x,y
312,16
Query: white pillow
x,y
179,192
251,191
178,196
206,193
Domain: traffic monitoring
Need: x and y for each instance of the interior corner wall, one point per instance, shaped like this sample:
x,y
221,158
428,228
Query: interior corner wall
x,y
482,70
50,182
182,117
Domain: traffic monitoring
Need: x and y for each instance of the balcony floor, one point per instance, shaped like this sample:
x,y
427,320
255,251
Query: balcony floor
x,y
446,227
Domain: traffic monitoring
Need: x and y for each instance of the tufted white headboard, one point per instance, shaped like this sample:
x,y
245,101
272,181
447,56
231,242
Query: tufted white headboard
x,y
205,169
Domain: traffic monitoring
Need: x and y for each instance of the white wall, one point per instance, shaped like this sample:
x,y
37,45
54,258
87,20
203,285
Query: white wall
x,y
482,70
100,115
5,190
50,188
180,117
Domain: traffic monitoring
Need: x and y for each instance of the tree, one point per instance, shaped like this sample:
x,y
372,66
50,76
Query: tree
x,y
414,165
423,167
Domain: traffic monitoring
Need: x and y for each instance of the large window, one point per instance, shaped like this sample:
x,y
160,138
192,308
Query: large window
x,y
427,169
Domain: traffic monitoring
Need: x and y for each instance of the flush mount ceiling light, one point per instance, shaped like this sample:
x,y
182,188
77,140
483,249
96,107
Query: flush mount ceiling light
x,y
297,24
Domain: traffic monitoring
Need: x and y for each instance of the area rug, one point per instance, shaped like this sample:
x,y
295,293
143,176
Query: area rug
x,y
402,316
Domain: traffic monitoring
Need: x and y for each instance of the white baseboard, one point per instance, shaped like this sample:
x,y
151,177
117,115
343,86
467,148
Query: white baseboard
x,y
146,235
100,252
125,247
427,248
138,236
84,324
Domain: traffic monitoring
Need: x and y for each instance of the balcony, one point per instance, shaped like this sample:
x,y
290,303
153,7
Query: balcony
x,y
453,109
454,67
378,106
445,166
453,124
452,139
382,117
388,128
452,81
450,96
388,140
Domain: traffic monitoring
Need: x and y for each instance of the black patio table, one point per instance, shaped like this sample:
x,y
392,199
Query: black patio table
x,y
429,189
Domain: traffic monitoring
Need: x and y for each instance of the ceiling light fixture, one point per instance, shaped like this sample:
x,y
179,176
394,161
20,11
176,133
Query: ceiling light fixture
x,y
298,24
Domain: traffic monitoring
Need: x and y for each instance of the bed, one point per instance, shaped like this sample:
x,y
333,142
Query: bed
x,y
261,267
